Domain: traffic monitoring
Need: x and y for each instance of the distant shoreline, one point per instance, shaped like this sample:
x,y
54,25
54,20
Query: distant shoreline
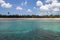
x,y
29,18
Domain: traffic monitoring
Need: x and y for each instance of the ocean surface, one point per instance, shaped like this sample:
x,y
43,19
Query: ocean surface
x,y
29,29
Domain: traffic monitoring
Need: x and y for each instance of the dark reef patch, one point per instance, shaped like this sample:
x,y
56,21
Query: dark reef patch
x,y
37,34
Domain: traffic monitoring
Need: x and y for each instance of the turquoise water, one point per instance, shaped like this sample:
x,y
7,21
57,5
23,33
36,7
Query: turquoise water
x,y
21,26
29,29
17,26
53,25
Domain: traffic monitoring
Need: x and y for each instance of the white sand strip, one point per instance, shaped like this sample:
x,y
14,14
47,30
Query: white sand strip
x,y
29,18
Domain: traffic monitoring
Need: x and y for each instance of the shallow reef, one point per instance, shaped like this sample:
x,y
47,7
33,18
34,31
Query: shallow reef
x,y
38,34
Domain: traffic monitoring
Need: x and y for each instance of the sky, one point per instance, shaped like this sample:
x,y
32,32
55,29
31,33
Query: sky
x,y
30,7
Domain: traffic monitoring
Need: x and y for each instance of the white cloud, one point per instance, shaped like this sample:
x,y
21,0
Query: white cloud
x,y
44,8
24,3
34,8
56,9
39,3
4,4
54,6
29,10
48,1
19,8
50,6
1,1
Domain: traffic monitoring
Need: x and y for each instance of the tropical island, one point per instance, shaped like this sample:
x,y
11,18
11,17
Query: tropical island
x,y
28,16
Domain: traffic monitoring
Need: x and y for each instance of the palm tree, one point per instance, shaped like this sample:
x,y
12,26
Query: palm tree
x,y
8,13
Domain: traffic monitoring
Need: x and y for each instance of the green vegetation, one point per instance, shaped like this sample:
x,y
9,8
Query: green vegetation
x,y
29,16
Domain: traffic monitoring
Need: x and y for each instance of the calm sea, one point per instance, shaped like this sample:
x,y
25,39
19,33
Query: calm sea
x,y
29,29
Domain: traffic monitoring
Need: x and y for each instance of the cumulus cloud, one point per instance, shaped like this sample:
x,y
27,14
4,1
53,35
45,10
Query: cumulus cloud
x,y
24,3
54,6
39,3
45,8
4,4
1,1
19,8
56,9
34,7
50,7
29,10
48,1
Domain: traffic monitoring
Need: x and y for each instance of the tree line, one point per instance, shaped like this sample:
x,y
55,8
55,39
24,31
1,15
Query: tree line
x,y
28,16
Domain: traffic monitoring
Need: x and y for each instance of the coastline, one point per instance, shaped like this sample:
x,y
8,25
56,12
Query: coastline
x,y
29,18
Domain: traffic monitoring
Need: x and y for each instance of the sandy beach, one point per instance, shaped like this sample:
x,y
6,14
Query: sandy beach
x,y
29,18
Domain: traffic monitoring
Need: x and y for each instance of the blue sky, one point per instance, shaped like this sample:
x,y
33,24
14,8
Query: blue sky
x,y
29,7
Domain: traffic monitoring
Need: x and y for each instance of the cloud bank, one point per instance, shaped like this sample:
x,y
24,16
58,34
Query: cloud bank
x,y
53,5
19,8
4,4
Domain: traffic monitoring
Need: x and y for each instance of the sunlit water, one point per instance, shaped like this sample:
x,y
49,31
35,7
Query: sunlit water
x,y
17,26
27,26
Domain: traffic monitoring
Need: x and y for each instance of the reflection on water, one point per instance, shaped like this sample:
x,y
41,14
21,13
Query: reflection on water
x,y
30,30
